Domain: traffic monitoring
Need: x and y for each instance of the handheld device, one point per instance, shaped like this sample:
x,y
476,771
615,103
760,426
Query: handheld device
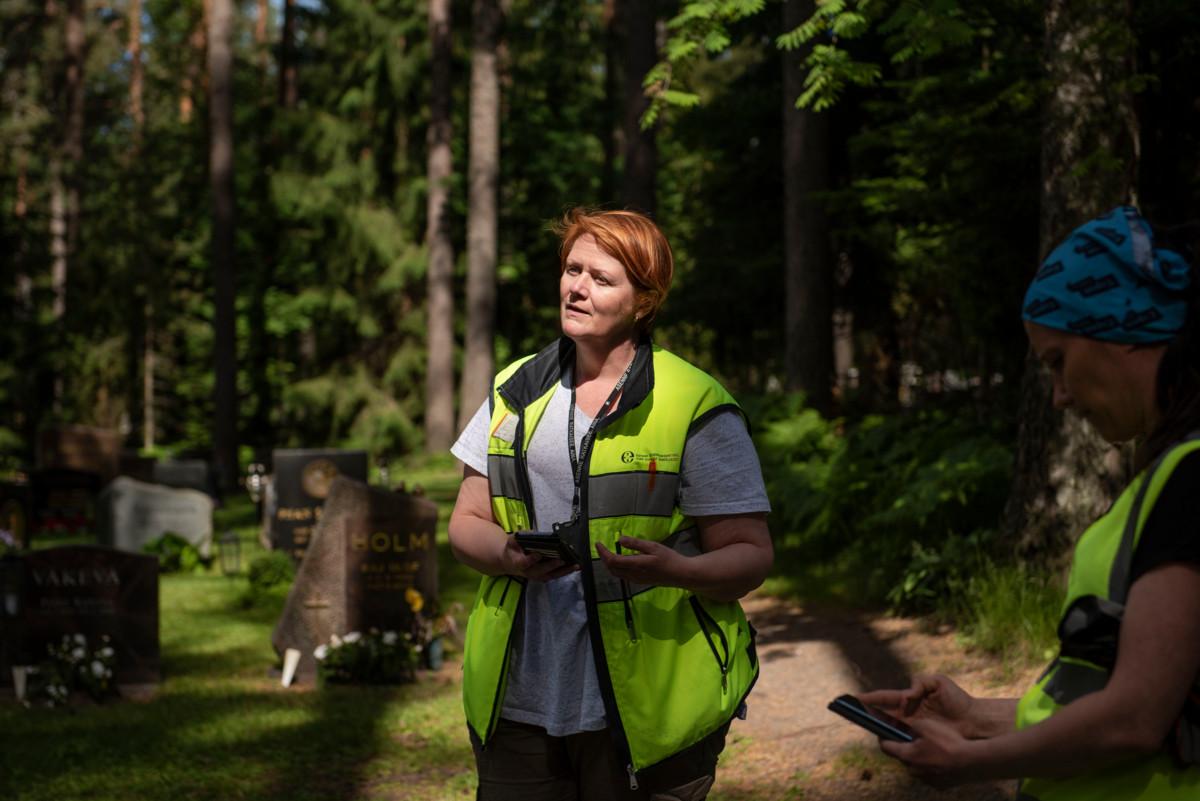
x,y
546,543
876,721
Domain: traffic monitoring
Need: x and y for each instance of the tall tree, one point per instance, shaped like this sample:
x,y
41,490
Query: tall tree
x,y
288,91
1065,474
639,25
220,77
483,172
439,378
808,273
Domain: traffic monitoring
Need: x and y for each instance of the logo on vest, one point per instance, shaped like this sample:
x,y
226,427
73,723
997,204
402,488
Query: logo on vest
x,y
652,461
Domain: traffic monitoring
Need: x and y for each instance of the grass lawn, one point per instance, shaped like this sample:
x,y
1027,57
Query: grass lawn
x,y
220,725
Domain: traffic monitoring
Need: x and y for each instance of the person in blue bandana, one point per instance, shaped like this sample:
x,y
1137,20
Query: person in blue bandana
x,y
1113,314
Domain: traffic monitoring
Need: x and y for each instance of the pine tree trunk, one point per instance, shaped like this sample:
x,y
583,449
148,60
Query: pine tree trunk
x,y
808,271
1065,474
288,91
610,130
220,76
73,139
188,86
138,116
484,171
439,378
641,152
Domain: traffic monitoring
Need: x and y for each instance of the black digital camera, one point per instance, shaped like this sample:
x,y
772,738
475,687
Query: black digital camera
x,y
556,544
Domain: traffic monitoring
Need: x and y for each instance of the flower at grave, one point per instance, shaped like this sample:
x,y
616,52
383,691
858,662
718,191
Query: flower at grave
x,y
105,652
78,653
352,637
7,541
321,652
98,669
80,639
390,637
335,641
416,601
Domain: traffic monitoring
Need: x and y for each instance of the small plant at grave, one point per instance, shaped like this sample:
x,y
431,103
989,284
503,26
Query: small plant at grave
x,y
269,576
176,555
428,626
73,665
8,544
375,657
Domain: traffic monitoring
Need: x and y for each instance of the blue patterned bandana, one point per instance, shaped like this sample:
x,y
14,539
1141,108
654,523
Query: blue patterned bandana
x,y
1108,281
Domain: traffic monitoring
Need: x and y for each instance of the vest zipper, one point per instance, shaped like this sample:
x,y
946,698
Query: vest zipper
x,y
627,599
706,621
503,595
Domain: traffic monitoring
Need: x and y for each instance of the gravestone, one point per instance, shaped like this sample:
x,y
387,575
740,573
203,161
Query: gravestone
x,y
137,466
16,511
131,513
83,448
84,589
193,474
301,483
64,499
371,546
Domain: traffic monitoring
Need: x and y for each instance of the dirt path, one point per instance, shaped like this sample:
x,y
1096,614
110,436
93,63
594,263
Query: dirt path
x,y
792,747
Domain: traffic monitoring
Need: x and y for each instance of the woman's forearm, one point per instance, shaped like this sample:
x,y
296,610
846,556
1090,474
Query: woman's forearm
x,y
477,543
729,573
990,717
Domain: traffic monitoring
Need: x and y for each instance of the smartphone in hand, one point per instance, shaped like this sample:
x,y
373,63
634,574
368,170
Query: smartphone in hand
x,y
876,721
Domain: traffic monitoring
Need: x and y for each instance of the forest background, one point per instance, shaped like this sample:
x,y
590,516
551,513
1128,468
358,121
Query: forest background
x,y
229,227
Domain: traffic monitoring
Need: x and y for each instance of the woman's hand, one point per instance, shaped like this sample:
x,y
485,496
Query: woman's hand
x,y
931,697
940,754
654,563
532,566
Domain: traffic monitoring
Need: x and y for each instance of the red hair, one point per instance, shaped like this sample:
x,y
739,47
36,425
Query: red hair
x,y
632,239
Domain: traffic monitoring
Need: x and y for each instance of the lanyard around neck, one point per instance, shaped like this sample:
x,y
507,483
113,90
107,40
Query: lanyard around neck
x,y
589,435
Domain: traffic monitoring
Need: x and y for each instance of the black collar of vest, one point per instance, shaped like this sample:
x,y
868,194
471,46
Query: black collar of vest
x,y
535,378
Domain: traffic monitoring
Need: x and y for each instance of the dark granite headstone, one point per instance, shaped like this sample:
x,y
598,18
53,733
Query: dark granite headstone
x,y
16,511
194,474
131,513
139,467
83,448
64,499
84,589
370,547
301,482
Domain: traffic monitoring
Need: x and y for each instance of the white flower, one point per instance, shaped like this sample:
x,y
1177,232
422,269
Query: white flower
x,y
98,669
105,652
80,639
78,653
321,652
353,636
390,637
335,641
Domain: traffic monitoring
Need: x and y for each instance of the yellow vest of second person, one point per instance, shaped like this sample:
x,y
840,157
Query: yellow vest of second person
x,y
1099,551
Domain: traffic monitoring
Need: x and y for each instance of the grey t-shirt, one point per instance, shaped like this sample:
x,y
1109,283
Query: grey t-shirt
x,y
552,677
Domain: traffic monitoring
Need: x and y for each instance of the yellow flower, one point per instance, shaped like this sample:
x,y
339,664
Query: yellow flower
x,y
416,601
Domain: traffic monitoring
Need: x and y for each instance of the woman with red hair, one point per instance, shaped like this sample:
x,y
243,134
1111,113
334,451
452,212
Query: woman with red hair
x,y
614,504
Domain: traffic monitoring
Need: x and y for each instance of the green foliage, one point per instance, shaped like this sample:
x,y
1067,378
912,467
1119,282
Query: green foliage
x,y
1010,609
175,554
900,500
269,578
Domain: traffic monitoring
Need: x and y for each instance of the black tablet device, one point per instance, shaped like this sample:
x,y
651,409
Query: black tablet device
x,y
876,721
